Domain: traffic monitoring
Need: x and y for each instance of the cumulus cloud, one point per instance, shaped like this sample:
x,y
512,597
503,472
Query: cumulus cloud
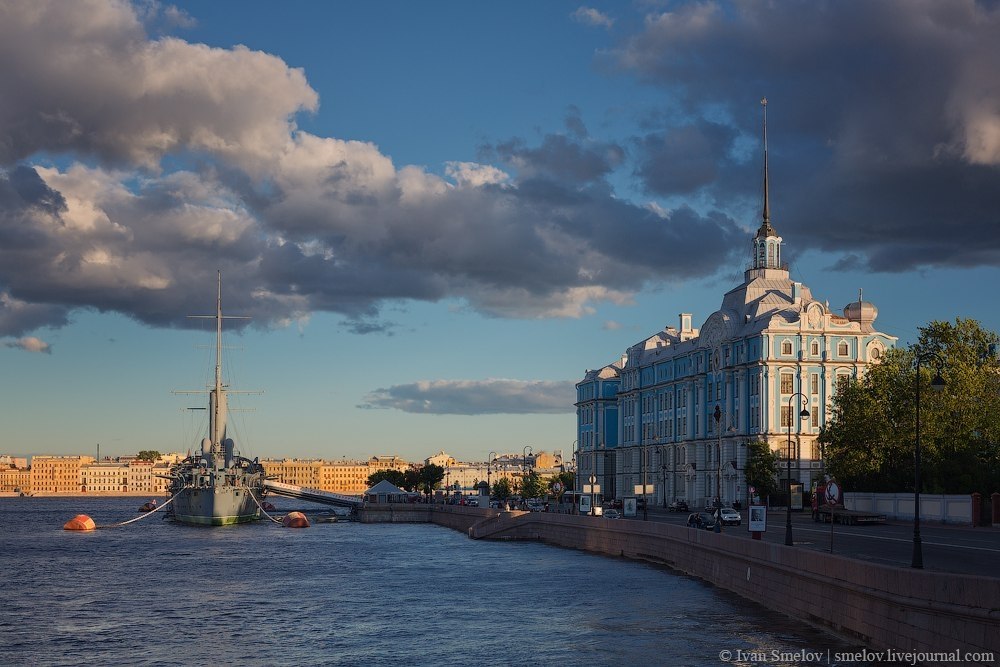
x,y
296,222
591,16
479,397
883,120
30,344
83,78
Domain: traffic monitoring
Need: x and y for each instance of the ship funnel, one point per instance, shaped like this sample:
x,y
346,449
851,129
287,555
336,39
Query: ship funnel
x,y
230,448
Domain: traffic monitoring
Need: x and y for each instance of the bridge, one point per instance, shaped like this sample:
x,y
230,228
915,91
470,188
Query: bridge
x,y
313,495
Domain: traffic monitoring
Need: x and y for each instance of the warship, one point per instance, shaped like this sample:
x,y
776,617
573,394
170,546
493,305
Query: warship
x,y
217,486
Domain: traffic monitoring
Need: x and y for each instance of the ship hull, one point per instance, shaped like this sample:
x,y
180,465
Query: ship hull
x,y
220,506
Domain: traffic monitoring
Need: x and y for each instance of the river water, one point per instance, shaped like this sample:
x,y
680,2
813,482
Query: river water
x,y
157,593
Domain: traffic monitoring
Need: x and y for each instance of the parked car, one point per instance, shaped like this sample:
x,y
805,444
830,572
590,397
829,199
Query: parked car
x,y
730,517
678,506
612,514
701,520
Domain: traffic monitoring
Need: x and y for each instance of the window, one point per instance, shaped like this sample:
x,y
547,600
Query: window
x,y
786,347
787,383
876,354
786,417
842,380
814,349
814,417
814,383
842,348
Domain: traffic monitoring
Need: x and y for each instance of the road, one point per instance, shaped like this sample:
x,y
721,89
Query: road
x,y
946,548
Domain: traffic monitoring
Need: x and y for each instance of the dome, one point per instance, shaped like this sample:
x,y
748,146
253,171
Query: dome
x,y
863,312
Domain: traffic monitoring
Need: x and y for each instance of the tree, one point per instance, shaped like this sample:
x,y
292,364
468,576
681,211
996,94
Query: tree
x,y
532,486
150,455
869,439
396,477
411,479
501,489
565,478
430,475
762,468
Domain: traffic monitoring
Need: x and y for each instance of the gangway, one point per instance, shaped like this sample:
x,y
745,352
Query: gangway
x,y
313,495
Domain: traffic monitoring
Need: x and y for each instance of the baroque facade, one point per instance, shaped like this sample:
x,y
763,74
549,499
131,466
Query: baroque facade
x,y
678,410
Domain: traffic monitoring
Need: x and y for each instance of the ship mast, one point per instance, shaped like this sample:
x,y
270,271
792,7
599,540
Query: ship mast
x,y
218,405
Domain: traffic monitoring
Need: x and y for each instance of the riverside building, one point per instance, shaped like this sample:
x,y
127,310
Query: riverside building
x,y
678,410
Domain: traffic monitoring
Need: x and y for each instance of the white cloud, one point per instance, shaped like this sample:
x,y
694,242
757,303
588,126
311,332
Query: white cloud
x,y
591,16
476,175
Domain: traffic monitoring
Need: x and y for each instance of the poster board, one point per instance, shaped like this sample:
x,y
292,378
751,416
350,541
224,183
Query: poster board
x,y
628,506
757,522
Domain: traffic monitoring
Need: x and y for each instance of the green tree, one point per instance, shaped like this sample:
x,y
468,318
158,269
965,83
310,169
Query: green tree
x,y
869,439
565,478
396,477
762,468
532,485
501,489
431,476
411,479
150,455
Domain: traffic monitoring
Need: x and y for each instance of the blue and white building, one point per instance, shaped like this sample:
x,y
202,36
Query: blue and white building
x,y
679,408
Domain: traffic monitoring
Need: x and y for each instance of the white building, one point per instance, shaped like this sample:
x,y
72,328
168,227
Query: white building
x,y
678,410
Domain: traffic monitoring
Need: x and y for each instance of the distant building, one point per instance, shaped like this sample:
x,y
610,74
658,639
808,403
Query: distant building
x,y
57,474
15,479
678,410
347,477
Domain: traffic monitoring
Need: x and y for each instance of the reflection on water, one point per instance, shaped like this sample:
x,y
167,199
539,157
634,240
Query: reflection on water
x,y
157,593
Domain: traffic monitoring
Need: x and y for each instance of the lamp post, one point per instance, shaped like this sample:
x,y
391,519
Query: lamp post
x,y
663,474
718,476
489,469
937,384
788,508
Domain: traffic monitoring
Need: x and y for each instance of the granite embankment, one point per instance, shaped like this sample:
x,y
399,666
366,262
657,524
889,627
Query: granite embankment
x,y
907,610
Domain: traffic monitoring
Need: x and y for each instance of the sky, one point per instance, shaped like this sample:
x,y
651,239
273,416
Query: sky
x,y
438,216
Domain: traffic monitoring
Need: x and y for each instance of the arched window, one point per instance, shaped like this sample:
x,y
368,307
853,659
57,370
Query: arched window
x,y
814,348
842,348
786,347
787,383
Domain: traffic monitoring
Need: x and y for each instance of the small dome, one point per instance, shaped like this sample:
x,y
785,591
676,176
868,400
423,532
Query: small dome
x,y
863,312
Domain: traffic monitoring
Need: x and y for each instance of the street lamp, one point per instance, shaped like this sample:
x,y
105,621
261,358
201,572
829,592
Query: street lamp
x,y
719,413
489,468
663,474
788,509
937,384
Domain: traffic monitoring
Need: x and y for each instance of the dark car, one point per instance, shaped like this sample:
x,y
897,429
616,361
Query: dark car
x,y
678,506
701,520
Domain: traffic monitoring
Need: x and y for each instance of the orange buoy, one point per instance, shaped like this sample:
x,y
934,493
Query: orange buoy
x,y
295,520
80,522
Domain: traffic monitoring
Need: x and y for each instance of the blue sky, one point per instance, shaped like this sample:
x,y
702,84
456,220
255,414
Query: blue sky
x,y
439,215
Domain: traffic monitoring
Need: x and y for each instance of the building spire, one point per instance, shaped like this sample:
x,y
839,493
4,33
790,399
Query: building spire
x,y
767,208
765,226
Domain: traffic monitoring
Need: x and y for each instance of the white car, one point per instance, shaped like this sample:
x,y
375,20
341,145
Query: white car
x,y
730,517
